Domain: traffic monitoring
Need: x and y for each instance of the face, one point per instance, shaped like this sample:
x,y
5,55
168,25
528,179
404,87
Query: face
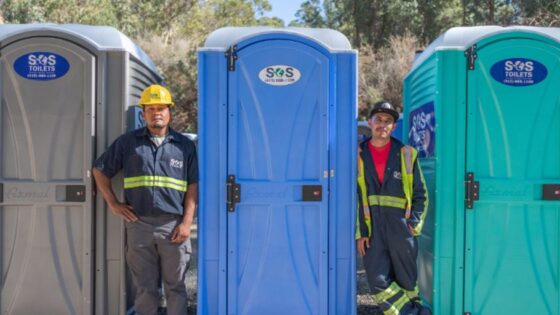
x,y
381,125
156,116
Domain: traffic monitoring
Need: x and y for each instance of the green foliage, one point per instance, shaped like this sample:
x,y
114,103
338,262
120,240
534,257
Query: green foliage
x,y
58,11
309,14
162,17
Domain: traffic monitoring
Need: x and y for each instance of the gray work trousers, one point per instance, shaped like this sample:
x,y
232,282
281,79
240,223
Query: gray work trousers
x,y
148,251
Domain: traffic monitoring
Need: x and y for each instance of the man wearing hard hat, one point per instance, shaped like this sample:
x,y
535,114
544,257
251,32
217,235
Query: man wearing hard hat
x,y
392,205
160,171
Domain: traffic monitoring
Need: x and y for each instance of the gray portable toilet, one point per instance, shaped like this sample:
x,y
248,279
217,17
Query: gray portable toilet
x,y
65,90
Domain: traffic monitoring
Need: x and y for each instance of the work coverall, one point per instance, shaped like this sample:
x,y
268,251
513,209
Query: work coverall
x,y
390,260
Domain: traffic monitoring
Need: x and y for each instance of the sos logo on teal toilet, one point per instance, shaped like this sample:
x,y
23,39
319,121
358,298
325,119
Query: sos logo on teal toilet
x,y
518,72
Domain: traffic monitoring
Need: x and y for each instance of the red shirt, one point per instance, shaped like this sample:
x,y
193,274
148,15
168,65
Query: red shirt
x,y
379,157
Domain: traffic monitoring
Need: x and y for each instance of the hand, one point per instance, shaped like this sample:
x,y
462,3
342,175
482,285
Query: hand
x,y
362,244
124,211
410,229
181,233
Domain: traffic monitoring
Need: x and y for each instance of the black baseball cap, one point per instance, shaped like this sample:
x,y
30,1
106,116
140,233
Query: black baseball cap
x,y
384,107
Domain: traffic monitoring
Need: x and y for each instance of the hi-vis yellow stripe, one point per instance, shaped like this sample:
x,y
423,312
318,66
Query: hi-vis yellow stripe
x,y
386,294
155,181
389,201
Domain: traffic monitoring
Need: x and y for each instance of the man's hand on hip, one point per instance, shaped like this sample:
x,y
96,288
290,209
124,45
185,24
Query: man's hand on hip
x,y
124,211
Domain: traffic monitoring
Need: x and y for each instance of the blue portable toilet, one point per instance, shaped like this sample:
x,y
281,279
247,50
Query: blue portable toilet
x,y
277,147
482,106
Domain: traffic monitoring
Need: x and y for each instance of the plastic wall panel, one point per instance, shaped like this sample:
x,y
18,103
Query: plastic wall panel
x,y
343,137
420,89
212,145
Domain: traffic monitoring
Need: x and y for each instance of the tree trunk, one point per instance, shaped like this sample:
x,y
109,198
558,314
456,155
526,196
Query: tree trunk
x,y
356,17
491,12
464,12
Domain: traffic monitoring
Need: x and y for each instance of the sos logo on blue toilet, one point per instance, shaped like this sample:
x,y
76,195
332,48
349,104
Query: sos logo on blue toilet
x,y
41,66
279,75
518,72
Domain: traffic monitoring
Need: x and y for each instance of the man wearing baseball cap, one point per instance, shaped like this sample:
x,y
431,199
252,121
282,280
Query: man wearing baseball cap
x,y
392,205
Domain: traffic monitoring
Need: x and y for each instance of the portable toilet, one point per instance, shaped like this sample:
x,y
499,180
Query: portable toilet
x,y
65,90
277,146
482,105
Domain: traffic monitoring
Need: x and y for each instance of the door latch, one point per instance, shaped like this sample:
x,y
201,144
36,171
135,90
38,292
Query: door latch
x,y
312,192
231,56
233,193
472,188
471,57
551,192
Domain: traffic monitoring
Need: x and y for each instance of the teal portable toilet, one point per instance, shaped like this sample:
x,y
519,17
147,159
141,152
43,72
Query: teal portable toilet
x,y
482,105
277,152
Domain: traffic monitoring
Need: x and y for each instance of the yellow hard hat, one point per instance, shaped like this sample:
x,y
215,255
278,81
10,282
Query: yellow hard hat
x,y
156,94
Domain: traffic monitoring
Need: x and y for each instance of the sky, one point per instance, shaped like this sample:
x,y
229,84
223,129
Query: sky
x,y
284,9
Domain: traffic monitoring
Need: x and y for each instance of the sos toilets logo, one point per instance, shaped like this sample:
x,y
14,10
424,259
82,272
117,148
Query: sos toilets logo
x,y
279,75
518,72
422,132
41,66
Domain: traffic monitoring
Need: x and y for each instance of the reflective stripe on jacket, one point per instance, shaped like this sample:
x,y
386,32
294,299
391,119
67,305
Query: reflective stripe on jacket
x,y
403,188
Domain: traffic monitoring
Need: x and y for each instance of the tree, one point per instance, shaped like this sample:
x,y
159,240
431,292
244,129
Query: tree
x,y
56,11
170,31
310,14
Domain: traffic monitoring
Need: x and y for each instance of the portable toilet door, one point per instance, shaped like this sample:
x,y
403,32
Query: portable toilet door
x,y
494,171
279,103
46,126
277,142
513,153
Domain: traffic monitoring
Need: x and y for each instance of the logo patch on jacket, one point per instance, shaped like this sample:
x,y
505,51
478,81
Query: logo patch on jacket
x,y
397,175
176,163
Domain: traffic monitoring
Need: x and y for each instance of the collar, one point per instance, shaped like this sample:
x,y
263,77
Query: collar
x,y
143,132
394,143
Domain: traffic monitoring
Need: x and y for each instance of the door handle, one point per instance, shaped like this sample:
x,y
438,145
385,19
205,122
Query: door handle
x,y
551,192
1,192
71,193
312,192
